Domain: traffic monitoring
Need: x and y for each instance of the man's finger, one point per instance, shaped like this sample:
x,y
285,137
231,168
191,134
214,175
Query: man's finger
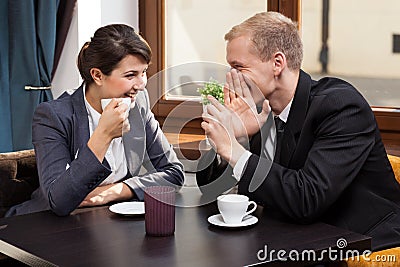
x,y
245,87
204,125
214,113
236,82
227,98
207,118
215,103
231,88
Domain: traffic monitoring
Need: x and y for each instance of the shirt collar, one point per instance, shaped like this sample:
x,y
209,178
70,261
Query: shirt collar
x,y
94,116
285,112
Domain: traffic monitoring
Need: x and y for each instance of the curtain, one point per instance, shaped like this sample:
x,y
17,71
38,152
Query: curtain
x,y
5,116
28,30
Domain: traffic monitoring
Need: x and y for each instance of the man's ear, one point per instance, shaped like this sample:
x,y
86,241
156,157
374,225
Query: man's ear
x,y
97,76
279,60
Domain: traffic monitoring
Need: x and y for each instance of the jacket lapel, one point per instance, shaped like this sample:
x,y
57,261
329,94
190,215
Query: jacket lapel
x,y
257,141
296,118
80,121
134,141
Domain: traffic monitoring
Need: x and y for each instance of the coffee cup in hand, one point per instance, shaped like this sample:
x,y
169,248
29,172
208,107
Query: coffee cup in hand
x,y
233,207
125,100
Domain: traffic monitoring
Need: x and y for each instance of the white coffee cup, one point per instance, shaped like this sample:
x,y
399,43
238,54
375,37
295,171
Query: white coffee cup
x,y
233,207
125,100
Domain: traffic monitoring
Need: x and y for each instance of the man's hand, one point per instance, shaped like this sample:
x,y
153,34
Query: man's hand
x,y
104,194
218,126
238,98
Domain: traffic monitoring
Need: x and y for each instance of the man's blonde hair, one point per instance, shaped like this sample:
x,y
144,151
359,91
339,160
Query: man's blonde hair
x,y
271,32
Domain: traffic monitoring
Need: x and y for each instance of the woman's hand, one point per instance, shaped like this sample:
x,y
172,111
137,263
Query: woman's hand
x,y
238,98
114,120
104,194
112,124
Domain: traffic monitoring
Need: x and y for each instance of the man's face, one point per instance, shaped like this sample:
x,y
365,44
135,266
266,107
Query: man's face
x,y
241,55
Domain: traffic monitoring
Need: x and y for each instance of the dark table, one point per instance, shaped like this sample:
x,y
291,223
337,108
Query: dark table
x,y
97,237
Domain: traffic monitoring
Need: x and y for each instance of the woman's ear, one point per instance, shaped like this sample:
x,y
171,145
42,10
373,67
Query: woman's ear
x,y
97,76
279,60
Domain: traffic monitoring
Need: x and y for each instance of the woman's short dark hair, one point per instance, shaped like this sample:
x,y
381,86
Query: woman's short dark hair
x,y
109,45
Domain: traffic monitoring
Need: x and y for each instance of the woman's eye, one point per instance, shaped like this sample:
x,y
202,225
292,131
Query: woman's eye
x,y
130,75
135,74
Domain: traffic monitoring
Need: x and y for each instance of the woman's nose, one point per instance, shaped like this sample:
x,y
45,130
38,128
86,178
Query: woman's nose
x,y
141,82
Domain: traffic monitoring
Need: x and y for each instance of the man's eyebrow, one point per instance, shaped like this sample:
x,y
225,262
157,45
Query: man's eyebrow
x,y
235,63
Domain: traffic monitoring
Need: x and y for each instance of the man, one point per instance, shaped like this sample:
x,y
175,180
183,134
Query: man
x,y
314,151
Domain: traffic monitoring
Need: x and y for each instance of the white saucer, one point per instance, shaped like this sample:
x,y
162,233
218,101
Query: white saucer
x,y
128,208
219,221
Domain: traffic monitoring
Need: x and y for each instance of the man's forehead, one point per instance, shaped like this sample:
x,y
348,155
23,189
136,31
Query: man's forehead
x,y
238,49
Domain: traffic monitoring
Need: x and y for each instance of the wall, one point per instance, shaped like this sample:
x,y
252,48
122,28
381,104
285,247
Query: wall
x,y
88,16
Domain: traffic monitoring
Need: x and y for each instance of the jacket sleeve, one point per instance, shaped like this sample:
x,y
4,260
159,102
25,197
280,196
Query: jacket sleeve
x,y
65,178
160,159
214,176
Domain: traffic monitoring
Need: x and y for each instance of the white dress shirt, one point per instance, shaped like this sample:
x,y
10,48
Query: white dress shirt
x,y
115,154
269,147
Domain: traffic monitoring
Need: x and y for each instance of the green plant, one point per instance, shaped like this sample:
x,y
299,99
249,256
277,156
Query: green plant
x,y
213,88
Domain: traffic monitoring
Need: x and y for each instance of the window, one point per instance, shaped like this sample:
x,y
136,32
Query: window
x,y
353,40
196,30
358,46
360,37
174,76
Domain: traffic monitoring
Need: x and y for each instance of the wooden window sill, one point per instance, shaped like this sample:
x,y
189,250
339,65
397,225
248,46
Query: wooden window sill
x,y
188,146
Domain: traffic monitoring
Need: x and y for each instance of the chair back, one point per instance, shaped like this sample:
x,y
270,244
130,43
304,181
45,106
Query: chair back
x,y
18,178
395,162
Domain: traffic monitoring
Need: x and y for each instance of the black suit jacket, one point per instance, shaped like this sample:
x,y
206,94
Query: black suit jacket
x,y
333,165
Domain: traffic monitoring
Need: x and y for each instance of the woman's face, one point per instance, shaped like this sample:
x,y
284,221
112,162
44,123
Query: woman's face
x,y
126,79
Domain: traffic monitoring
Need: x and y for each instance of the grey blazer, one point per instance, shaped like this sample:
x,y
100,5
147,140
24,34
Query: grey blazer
x,y
68,169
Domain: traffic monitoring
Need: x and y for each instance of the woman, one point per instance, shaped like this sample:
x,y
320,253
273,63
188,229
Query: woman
x,y
87,156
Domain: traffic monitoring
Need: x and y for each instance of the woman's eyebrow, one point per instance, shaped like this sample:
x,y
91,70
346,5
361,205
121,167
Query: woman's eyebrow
x,y
129,71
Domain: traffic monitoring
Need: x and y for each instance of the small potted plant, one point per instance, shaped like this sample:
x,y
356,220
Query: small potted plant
x,y
213,88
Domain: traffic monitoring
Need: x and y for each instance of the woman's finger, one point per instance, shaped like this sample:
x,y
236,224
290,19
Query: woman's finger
x,y
126,126
113,103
